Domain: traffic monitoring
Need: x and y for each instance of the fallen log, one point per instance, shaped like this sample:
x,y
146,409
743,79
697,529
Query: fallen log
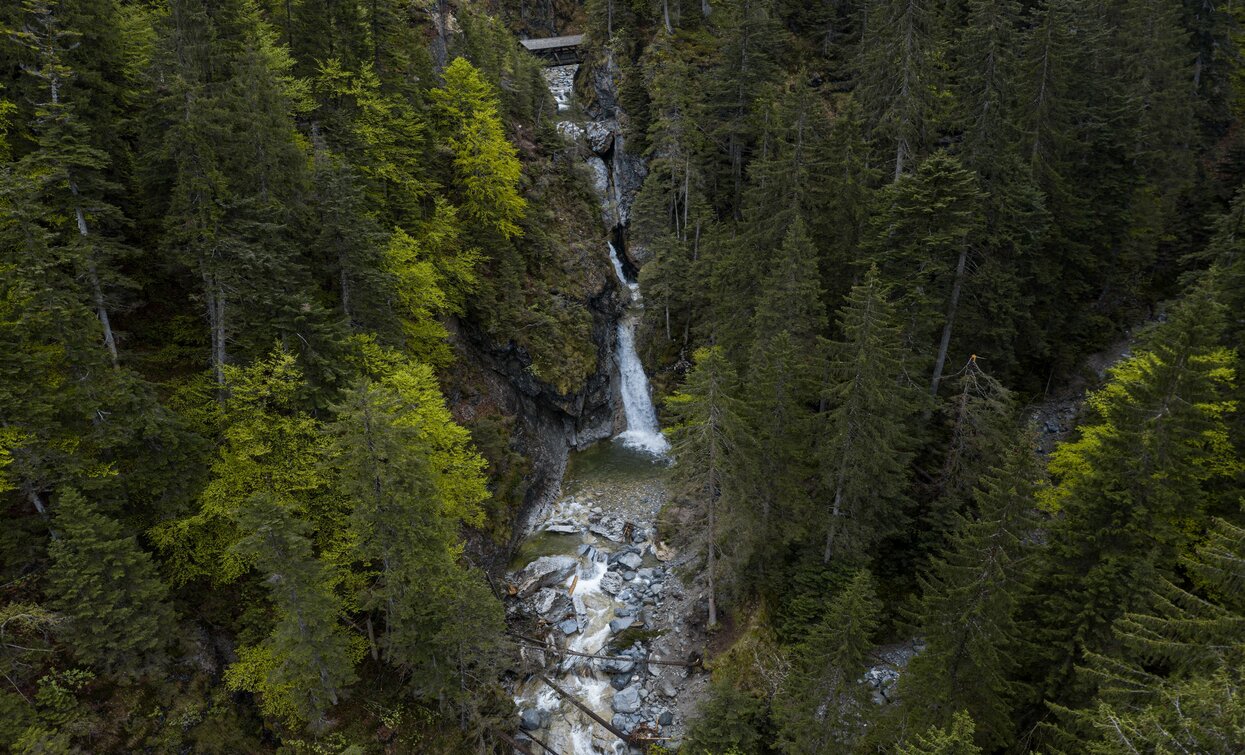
x,y
591,714
558,651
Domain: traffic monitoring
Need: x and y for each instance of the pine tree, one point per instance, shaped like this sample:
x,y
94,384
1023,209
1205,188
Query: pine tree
x,y
863,455
704,437
1131,490
824,700
114,608
302,667
968,608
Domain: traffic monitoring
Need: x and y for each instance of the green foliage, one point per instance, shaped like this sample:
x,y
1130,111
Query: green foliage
x,y
863,451
823,701
1131,489
114,611
302,667
968,609
958,740
486,165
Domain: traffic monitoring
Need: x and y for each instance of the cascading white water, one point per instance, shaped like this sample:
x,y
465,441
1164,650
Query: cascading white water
x,y
643,432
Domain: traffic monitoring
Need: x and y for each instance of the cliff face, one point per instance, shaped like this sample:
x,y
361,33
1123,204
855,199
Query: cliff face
x,y
524,420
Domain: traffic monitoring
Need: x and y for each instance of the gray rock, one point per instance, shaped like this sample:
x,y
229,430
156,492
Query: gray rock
x,y
552,605
618,625
666,718
621,612
545,571
612,583
609,527
631,560
570,626
530,719
666,688
614,666
645,573
620,681
564,528
600,137
600,182
628,575
626,700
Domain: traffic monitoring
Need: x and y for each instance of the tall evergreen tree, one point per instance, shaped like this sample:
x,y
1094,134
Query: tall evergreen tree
x,y
704,436
1131,489
920,240
439,621
824,699
968,608
307,660
900,77
116,615
957,740
863,453
71,171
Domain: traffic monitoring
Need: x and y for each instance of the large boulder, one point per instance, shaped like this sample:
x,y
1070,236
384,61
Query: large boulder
x,y
545,571
629,560
617,625
626,700
617,666
530,719
551,605
600,137
609,527
611,583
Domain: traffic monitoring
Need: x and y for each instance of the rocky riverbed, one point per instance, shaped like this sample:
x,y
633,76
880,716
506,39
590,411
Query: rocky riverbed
x,y
595,578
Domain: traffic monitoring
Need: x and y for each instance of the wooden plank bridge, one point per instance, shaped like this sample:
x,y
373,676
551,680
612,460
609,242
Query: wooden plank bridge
x,y
556,51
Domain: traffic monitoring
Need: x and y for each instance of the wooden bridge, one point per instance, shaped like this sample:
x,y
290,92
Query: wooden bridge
x,y
557,51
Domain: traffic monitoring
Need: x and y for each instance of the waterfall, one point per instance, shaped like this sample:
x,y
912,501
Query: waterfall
x,y
643,432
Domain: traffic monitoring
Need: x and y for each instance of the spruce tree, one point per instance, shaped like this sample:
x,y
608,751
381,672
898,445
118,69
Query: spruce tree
x,y
785,364
114,608
306,661
957,740
968,608
1173,683
704,436
1131,490
900,78
824,700
71,170
438,621
920,240
863,454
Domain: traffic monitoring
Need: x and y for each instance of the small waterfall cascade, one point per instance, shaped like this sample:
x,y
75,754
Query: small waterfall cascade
x,y
642,433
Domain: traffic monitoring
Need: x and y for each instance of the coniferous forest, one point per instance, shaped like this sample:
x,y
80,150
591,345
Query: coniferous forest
x,y
305,305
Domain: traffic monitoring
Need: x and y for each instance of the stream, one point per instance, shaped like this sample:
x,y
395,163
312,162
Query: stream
x,y
590,576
